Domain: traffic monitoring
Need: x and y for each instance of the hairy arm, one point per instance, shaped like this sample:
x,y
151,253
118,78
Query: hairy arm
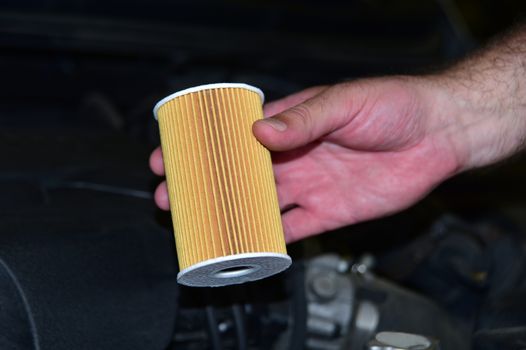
x,y
482,101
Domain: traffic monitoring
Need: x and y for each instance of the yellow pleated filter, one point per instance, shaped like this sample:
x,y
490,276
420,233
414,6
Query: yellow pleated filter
x,y
223,199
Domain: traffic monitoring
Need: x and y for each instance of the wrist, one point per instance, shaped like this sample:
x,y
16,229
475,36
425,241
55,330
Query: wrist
x,y
482,101
484,120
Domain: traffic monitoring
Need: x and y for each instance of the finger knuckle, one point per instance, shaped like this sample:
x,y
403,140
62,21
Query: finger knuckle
x,y
301,114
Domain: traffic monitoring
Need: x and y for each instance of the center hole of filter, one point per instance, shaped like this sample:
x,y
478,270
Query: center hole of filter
x,y
235,271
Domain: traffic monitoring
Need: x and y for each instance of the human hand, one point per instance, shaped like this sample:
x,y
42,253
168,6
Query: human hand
x,y
357,151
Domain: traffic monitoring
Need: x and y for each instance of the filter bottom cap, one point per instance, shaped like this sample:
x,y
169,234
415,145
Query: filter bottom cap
x,y
233,269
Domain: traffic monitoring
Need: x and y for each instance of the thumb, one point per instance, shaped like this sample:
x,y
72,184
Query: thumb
x,y
307,121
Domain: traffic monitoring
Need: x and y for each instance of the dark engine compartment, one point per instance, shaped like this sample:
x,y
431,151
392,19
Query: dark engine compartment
x,y
88,262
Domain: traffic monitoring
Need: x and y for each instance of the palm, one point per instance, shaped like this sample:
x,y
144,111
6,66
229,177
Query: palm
x,y
363,170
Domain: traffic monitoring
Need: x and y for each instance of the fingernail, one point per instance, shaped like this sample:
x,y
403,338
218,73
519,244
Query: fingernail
x,y
276,124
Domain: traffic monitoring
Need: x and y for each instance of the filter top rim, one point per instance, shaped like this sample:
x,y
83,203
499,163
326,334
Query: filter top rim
x,y
207,87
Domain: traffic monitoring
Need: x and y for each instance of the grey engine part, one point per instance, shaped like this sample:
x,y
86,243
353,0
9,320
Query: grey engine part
x,y
348,307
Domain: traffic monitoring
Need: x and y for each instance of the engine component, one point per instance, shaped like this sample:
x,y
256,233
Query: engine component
x,y
401,341
330,302
347,304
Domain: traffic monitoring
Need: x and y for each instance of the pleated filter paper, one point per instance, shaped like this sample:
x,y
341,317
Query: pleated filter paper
x,y
223,199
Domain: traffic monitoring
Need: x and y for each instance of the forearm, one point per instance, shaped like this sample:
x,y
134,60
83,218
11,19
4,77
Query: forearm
x,y
482,102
